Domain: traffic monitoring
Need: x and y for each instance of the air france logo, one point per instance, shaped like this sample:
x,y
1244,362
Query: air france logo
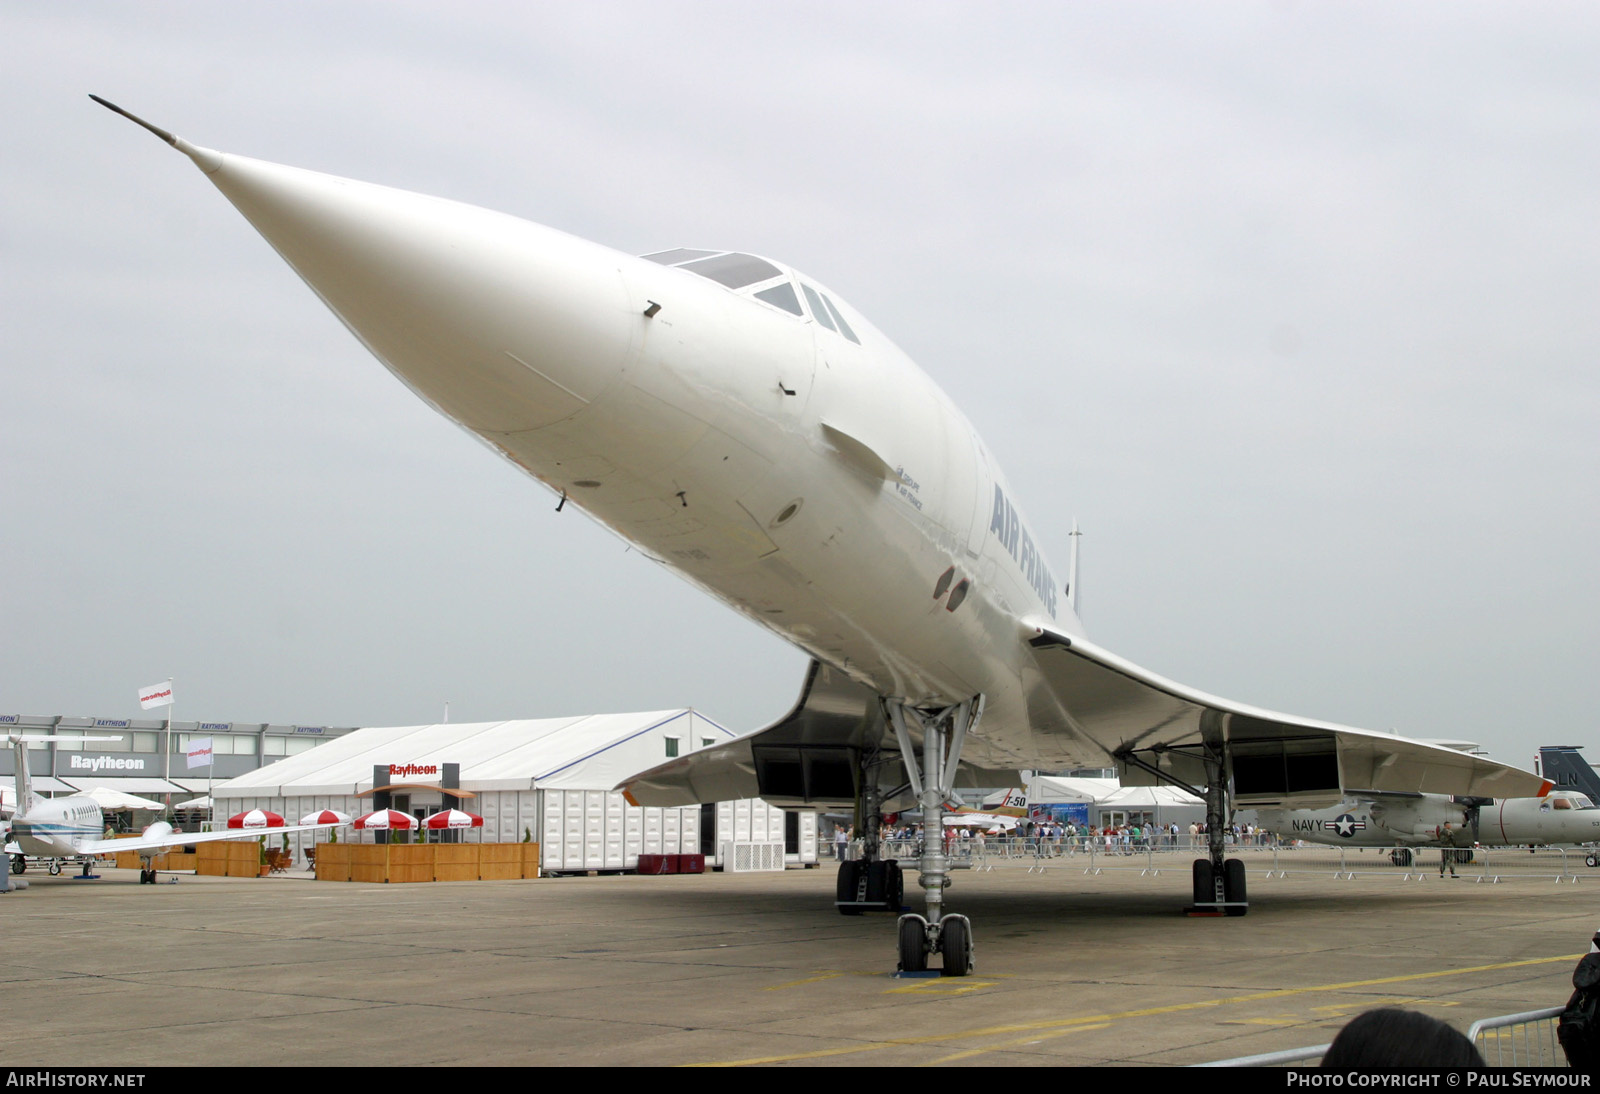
x,y
1344,825
1016,539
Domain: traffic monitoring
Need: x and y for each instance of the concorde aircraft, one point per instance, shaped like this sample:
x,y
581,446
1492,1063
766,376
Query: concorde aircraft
x,y
741,424
71,827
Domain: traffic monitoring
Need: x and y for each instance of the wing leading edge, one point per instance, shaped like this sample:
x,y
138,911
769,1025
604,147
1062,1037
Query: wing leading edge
x,y
1159,731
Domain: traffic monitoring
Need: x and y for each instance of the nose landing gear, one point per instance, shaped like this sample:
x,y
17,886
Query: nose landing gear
x,y
950,936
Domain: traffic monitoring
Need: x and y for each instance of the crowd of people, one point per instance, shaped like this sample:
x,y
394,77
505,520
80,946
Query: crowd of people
x,y
1046,837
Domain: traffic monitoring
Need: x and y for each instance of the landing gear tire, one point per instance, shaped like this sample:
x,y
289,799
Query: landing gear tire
x,y
1400,856
893,887
55,868
913,944
19,865
848,884
955,945
1591,860
1233,886
1205,890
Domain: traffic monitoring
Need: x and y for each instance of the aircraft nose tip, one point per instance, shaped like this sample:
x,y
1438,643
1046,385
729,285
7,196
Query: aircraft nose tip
x,y
503,324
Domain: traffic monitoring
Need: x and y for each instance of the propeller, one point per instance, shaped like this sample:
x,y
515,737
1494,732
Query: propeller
x,y
1471,813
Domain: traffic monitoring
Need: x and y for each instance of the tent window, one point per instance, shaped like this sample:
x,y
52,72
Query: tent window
x,y
672,747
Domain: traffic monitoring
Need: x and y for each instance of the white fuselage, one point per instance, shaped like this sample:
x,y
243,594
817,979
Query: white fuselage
x,y
1433,820
51,828
817,484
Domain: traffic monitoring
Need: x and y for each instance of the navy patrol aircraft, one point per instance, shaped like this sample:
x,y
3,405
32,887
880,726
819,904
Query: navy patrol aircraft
x,y
1435,820
739,423
71,827
1566,815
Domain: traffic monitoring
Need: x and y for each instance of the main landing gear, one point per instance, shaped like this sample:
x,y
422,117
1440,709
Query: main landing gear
x,y
1219,887
950,936
870,883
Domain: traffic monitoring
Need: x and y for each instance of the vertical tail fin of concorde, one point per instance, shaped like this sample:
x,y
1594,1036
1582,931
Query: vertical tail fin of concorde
x,y
1565,766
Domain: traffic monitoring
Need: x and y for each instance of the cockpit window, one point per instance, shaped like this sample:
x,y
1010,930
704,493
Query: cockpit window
x,y
734,270
676,255
782,296
818,309
844,328
741,271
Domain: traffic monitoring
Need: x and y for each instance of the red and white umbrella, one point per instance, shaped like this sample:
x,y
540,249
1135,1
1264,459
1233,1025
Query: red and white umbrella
x,y
326,816
453,818
386,820
255,818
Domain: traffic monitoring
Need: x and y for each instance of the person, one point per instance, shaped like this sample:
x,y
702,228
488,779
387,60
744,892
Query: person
x,y
1447,857
1391,1037
840,839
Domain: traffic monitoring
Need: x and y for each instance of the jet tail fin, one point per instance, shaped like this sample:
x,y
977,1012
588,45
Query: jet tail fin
x,y
24,781
26,798
1565,766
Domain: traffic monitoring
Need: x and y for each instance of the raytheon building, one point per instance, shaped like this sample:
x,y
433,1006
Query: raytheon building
x,y
147,760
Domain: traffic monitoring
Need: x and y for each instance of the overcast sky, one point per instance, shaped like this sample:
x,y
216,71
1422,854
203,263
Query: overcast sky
x,y
1294,306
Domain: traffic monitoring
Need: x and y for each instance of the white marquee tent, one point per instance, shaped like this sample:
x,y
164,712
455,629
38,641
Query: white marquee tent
x,y
548,779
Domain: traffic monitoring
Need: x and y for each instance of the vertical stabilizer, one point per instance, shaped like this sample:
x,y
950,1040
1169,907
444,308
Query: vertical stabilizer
x,y
1565,766
1072,573
24,782
26,798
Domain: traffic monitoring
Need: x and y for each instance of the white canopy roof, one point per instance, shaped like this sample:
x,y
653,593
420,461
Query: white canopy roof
x,y
136,785
1047,789
1144,797
591,752
1050,789
108,798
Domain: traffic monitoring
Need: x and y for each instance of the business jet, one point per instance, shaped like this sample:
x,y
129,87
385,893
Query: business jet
x,y
71,828
741,424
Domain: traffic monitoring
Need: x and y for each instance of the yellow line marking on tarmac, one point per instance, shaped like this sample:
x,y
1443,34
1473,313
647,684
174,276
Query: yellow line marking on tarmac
x,y
1020,1042
1144,1012
808,980
945,985
1285,1019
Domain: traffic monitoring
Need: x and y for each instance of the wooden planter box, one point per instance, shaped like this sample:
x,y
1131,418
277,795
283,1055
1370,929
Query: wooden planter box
x,y
412,862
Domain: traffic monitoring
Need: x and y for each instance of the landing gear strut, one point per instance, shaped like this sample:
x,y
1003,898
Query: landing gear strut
x,y
1219,886
950,936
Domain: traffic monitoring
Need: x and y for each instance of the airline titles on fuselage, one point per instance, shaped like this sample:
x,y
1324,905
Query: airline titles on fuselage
x,y
1008,528
908,487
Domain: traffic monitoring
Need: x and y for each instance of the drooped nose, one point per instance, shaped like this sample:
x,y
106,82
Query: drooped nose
x,y
503,324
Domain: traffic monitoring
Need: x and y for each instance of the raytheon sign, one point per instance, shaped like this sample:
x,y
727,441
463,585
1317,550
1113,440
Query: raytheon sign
x,y
413,769
97,764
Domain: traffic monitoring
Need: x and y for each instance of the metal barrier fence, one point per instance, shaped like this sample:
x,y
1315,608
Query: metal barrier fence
x,y
1151,856
1520,1040
1511,1040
